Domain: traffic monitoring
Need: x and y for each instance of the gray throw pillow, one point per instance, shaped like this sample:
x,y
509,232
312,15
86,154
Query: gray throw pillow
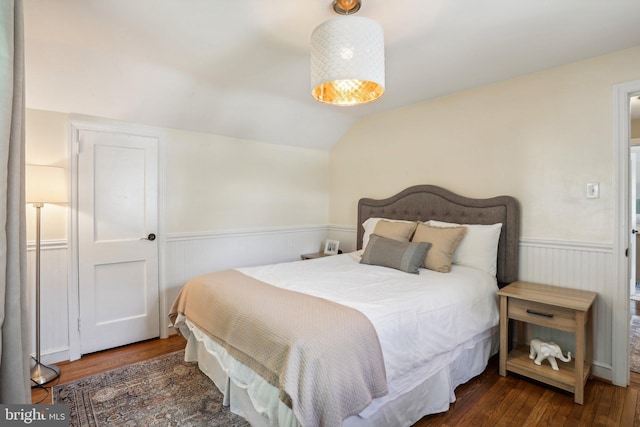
x,y
404,256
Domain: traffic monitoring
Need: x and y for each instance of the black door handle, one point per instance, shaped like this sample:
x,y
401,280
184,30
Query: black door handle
x,y
150,237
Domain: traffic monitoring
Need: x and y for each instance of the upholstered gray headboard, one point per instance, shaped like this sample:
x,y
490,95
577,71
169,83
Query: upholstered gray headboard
x,y
425,202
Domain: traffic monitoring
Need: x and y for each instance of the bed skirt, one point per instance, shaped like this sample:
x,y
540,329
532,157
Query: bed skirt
x,y
249,396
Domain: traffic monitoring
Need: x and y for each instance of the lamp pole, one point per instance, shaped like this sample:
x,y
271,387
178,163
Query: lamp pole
x,y
43,184
40,373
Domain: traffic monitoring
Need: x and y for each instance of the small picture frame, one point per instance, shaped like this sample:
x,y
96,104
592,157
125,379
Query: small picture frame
x,y
331,247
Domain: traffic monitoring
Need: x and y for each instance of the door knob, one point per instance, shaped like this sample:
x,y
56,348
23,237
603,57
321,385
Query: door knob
x,y
150,237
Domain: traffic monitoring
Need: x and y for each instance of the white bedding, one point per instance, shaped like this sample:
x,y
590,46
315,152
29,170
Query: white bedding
x,y
431,327
417,317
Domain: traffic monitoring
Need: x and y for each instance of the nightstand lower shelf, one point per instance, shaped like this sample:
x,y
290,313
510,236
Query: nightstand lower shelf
x,y
564,378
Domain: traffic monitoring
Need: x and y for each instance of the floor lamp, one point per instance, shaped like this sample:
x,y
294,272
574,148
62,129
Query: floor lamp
x,y
44,184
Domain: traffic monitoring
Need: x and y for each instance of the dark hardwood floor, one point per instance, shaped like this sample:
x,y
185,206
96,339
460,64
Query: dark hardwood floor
x,y
491,400
101,361
487,400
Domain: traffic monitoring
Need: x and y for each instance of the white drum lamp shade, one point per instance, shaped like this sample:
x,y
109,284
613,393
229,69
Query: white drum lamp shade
x,y
347,61
45,184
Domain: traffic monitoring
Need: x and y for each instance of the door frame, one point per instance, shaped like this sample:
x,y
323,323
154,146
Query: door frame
x,y
622,230
75,126
634,153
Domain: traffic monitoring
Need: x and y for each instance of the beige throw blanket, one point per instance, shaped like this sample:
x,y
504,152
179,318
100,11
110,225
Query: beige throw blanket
x,y
324,358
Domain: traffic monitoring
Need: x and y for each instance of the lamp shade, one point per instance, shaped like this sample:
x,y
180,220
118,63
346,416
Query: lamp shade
x,y
45,184
347,61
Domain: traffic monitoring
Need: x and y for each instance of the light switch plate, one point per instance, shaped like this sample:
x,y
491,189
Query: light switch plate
x,y
593,190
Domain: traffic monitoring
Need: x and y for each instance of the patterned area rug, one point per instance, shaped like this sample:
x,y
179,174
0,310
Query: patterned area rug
x,y
165,391
634,343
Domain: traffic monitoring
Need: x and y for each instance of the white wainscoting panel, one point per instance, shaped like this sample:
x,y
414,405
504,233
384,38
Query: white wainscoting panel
x,y
570,264
54,317
576,265
185,256
188,255
346,235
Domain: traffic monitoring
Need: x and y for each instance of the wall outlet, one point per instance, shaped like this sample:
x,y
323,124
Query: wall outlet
x,y
593,190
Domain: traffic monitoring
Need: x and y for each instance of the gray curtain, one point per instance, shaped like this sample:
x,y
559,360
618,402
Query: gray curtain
x,y
15,384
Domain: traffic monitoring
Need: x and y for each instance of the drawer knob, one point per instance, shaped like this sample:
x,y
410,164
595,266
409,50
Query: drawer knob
x,y
537,313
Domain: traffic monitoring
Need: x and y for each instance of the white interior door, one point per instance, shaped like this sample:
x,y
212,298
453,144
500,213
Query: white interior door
x,y
117,250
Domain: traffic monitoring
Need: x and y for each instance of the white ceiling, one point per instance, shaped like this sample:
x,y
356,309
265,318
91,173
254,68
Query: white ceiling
x,y
241,67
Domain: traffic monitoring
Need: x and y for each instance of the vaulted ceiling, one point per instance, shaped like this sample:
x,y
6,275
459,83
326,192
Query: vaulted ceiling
x,y
240,68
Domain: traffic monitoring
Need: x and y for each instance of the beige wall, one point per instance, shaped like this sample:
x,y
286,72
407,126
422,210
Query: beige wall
x,y
215,182
211,182
635,128
46,143
540,138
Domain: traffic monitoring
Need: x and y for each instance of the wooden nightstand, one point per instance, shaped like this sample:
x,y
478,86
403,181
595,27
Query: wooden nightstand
x,y
554,307
313,255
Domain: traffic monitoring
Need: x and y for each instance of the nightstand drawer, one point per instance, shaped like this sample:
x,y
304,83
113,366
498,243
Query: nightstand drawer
x,y
542,314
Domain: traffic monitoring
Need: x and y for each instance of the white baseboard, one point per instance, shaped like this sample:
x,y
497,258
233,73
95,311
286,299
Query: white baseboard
x,y
54,356
602,370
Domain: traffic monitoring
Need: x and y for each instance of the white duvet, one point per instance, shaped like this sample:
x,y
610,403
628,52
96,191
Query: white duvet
x,y
417,317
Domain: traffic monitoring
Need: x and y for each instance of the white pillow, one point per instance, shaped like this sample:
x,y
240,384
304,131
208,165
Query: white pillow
x,y
478,247
370,225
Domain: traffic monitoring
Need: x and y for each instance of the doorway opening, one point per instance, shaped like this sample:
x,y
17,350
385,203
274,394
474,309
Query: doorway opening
x,y
623,226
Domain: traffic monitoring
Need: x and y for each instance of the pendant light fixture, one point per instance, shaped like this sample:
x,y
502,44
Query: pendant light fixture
x,y
347,58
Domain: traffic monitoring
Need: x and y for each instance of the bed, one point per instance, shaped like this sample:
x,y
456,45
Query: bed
x,y
396,344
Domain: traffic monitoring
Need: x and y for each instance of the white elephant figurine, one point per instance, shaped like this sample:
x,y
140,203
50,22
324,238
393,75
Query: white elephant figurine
x,y
540,350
